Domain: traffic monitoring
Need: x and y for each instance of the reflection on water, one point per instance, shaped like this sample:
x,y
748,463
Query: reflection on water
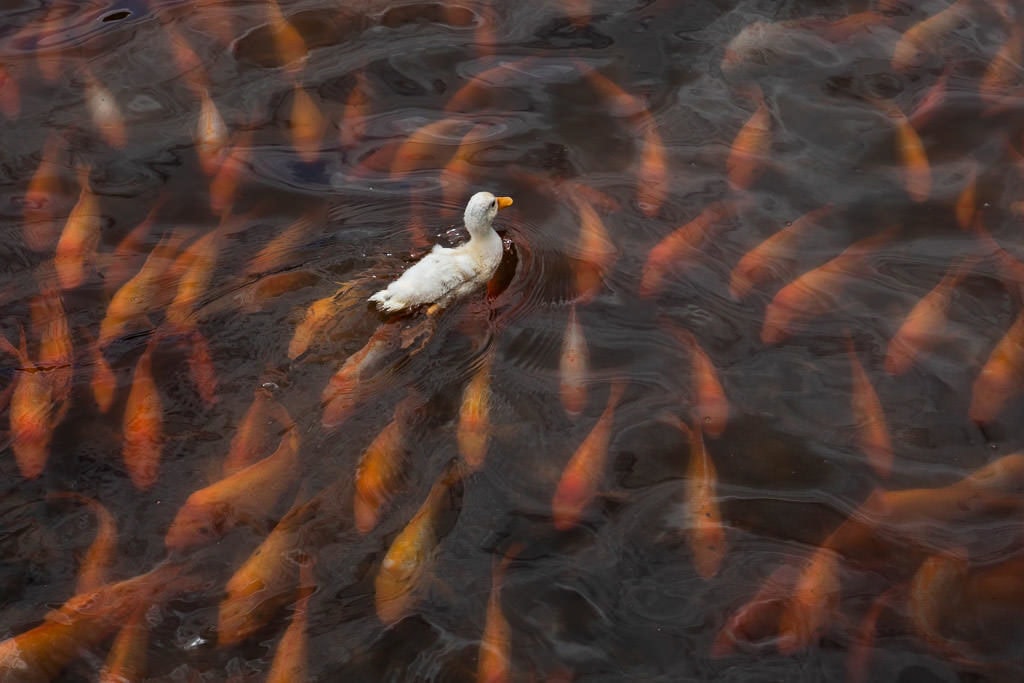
x,y
742,400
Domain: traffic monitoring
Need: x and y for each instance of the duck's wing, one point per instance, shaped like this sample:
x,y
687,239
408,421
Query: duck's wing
x,y
429,280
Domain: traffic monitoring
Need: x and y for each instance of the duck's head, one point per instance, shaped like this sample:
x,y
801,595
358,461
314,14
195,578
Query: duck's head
x,y
480,211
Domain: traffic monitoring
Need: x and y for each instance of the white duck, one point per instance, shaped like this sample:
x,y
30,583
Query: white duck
x,y
445,273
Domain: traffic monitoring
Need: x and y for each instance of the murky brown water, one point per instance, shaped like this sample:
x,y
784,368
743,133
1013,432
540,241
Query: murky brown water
x,y
628,113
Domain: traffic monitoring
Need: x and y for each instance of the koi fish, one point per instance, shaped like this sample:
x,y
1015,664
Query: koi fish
x,y
106,115
420,149
291,48
245,498
318,315
380,467
403,571
766,259
675,251
1000,377
1004,71
103,382
573,367
815,599
704,531
711,406
211,134
814,292
80,237
224,185
474,428
342,391
967,201
56,353
201,367
10,97
250,442
307,125
493,662
750,147
127,658
81,624
352,128
94,568
290,661
34,413
39,230
758,618
197,263
280,252
143,423
924,323
869,418
582,475
926,34
597,252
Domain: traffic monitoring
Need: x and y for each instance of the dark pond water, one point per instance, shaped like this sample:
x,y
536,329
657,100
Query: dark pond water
x,y
196,199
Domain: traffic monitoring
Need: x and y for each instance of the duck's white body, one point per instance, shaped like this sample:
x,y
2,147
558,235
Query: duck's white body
x,y
446,274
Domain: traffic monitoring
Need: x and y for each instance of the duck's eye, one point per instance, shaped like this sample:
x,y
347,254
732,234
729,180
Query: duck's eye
x,y
494,202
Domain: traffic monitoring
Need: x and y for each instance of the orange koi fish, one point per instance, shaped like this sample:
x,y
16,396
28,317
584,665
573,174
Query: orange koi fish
x,y
134,248
477,93
711,407
198,263
267,581
247,497
94,569
815,599
39,230
1000,378
573,367
201,367
597,252
924,323
750,148
127,658
652,177
380,468
211,134
581,477
342,391
307,125
253,297
224,184
458,172
1004,71
80,237
143,423
56,354
927,34
81,624
679,247
106,115
917,176
494,662
251,439
933,589
357,110
403,571
291,48
290,662
814,292
104,382
188,62
474,428
704,531
318,315
869,418
148,289
34,413
766,259
279,252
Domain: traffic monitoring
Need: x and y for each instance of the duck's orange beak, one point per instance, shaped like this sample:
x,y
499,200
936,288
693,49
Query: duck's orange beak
x,y
504,202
